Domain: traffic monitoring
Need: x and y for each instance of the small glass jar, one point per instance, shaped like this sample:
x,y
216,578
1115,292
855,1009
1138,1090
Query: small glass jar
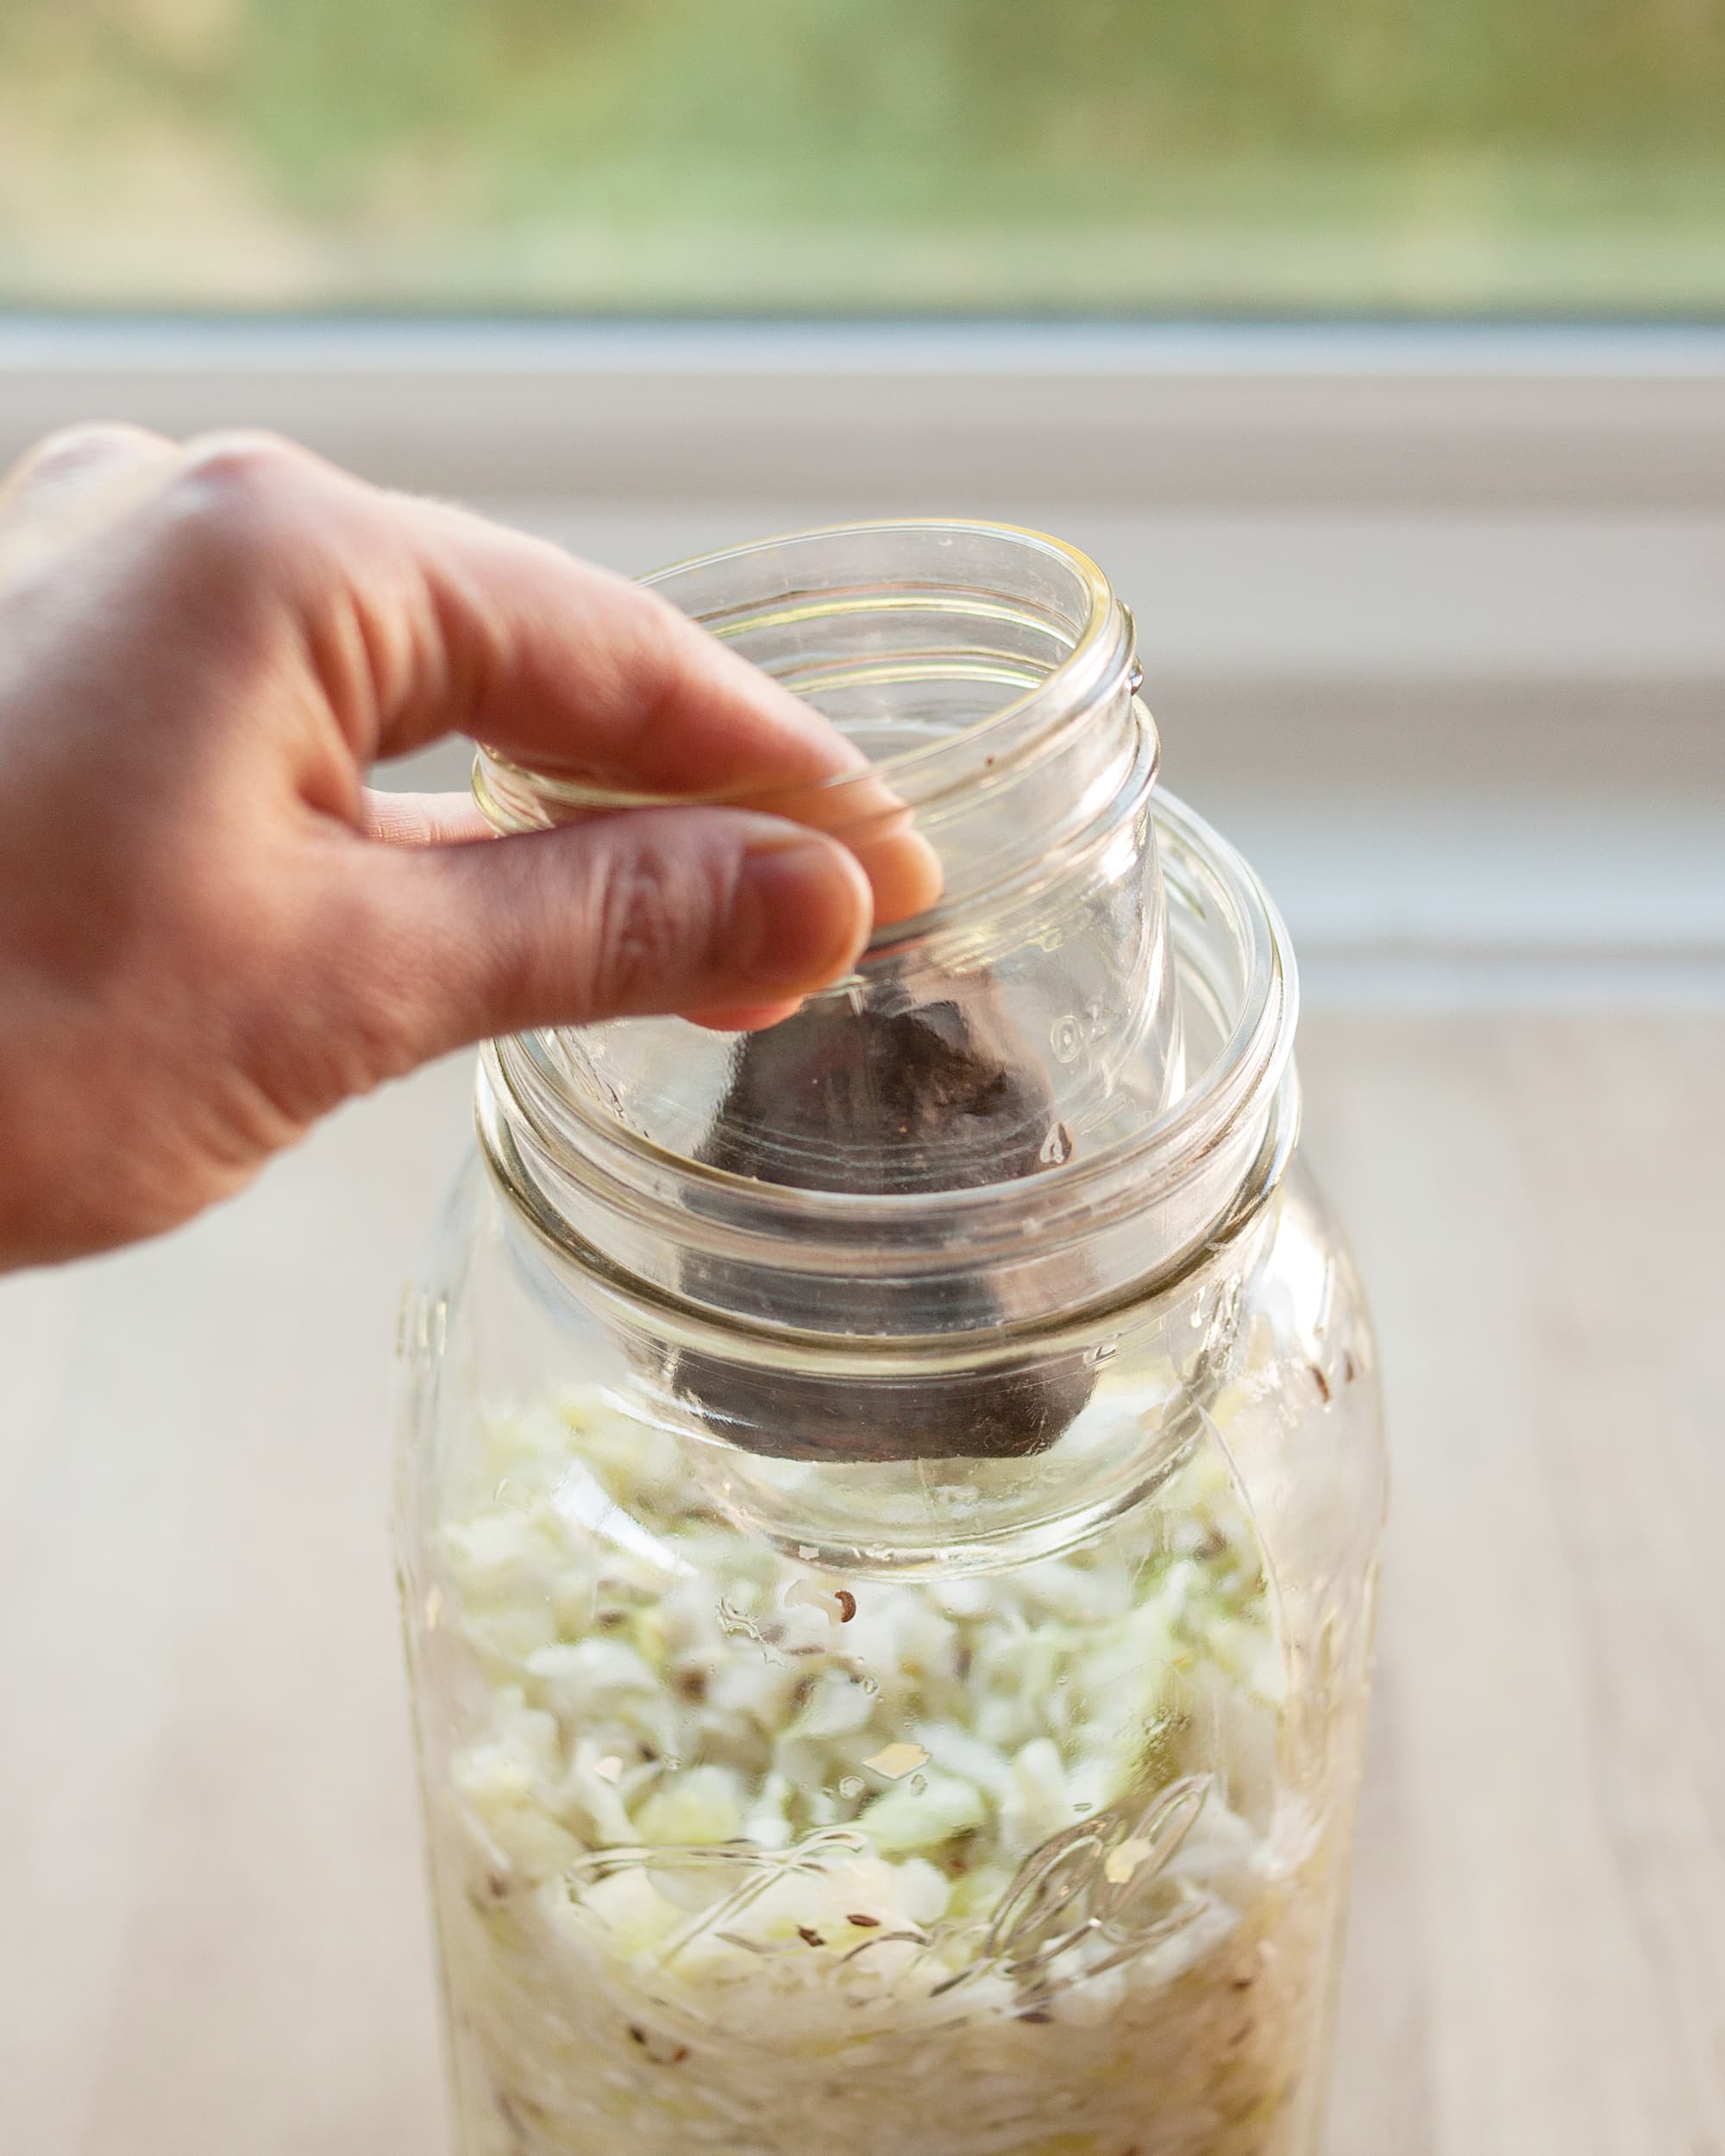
x,y
889,1507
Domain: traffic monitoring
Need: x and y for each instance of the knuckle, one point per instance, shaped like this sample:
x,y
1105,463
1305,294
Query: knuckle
x,y
241,459
238,496
652,651
649,927
633,935
669,652
76,449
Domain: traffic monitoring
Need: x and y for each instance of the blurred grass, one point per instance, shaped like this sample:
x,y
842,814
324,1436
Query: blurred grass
x,y
1528,154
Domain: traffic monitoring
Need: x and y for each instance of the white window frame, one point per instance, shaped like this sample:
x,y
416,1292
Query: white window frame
x,y
1412,416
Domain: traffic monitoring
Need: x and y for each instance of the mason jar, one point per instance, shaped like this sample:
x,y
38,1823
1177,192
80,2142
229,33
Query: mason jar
x,y
888,1504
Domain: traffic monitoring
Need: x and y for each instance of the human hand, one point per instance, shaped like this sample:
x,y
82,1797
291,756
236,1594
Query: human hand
x,y
211,933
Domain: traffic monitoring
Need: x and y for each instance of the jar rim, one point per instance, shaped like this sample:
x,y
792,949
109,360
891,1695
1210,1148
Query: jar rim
x,y
1088,669
1240,1080
763,1340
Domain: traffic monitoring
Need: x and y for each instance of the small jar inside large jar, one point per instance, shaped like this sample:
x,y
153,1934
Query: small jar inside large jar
x,y
890,1633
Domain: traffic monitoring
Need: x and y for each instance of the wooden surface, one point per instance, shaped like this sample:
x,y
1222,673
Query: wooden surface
x,y
212,1935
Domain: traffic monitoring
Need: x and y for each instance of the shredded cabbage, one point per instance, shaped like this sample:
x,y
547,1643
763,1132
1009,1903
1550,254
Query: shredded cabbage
x,y
741,1855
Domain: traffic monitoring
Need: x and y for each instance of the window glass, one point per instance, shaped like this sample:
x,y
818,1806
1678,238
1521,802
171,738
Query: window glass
x,y
818,155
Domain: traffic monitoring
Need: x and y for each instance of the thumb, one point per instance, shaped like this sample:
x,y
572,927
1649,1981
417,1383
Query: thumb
x,y
691,910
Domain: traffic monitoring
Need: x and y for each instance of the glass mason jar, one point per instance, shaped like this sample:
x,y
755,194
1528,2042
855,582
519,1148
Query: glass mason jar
x,y
888,1505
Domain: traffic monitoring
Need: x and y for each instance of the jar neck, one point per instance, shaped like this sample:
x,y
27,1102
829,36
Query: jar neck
x,y
1094,1233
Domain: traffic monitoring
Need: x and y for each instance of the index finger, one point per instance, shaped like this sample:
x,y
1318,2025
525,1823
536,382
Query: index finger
x,y
600,694
581,674
422,619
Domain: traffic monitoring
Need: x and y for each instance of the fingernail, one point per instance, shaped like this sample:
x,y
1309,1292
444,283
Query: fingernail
x,y
800,915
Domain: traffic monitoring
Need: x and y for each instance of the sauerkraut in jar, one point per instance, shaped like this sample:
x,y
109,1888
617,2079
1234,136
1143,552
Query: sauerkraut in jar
x,y
887,1526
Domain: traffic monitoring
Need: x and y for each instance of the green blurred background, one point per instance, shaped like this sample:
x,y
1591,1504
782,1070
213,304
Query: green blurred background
x,y
1529,156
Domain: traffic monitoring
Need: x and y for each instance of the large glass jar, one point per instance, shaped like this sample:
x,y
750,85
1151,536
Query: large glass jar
x,y
889,1506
